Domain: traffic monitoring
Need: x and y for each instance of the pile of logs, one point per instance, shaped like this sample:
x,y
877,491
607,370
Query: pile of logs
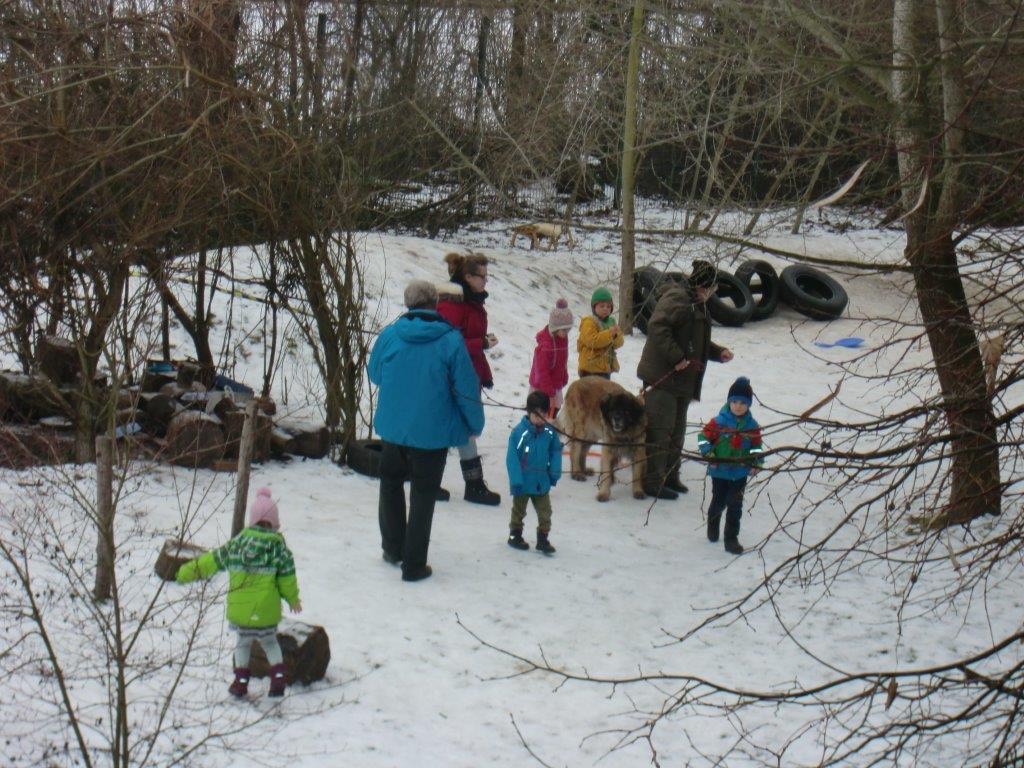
x,y
173,414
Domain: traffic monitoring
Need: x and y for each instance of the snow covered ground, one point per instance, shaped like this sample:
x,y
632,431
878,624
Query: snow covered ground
x,y
413,681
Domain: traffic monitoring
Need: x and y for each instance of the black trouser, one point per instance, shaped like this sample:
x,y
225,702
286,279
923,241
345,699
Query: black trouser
x,y
424,468
584,374
666,428
727,495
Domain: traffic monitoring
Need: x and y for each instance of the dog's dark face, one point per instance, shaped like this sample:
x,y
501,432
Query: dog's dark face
x,y
622,412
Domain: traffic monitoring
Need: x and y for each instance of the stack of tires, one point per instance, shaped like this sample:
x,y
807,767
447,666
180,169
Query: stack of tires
x,y
752,293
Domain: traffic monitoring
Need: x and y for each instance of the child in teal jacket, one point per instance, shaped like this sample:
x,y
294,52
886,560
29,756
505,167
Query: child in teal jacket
x,y
534,463
261,573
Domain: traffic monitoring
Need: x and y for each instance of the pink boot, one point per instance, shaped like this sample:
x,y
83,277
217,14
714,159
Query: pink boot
x,y
240,687
277,680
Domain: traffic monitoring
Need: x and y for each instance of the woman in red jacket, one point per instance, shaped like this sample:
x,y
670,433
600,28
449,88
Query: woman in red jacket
x,y
463,307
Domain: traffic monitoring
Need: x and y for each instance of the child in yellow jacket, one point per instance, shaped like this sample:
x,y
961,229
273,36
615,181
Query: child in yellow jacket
x,y
599,337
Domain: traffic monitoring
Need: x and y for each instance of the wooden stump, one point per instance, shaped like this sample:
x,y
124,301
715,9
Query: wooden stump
x,y
30,396
58,359
174,554
194,439
266,405
306,650
153,381
304,440
233,423
23,446
188,372
158,409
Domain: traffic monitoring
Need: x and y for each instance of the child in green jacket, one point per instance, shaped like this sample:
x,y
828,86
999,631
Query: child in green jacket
x,y
261,573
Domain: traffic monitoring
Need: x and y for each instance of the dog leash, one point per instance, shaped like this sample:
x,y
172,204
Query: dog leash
x,y
695,364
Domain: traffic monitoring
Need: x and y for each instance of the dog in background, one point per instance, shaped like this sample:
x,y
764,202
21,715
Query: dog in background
x,y
542,231
597,410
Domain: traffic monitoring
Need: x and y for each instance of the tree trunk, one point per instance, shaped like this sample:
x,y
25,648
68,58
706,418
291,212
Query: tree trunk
x,y
930,195
629,171
478,99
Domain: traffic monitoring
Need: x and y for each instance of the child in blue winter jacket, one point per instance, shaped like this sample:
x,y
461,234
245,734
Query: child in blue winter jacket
x,y
534,461
735,436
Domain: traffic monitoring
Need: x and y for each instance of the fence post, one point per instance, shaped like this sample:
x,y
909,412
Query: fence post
x,y
104,518
244,464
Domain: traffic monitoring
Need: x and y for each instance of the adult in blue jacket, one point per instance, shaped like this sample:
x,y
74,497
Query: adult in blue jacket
x,y
429,401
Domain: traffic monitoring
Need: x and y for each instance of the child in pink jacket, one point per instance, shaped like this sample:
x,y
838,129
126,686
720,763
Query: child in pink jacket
x,y
550,373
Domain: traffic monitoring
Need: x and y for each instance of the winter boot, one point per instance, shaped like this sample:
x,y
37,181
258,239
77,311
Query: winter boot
x,y
673,483
240,687
733,547
516,540
662,493
277,680
543,545
714,522
442,495
477,491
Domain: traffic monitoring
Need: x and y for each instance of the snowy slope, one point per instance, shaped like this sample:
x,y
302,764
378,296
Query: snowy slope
x,y
409,684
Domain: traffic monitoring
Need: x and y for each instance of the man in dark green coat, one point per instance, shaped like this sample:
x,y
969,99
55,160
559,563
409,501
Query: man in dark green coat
x,y
671,367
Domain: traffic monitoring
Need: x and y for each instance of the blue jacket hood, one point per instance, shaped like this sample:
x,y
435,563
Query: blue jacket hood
x,y
422,326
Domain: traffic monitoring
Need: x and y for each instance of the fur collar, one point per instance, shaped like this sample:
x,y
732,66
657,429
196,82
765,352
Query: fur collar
x,y
457,292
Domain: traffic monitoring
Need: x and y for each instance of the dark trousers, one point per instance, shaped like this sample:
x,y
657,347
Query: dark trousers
x,y
666,427
424,467
584,374
727,495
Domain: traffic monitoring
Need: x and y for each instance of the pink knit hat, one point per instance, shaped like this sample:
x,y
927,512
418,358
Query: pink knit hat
x,y
560,318
264,509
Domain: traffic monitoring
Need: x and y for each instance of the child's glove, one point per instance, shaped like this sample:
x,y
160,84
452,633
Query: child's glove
x,y
296,607
517,490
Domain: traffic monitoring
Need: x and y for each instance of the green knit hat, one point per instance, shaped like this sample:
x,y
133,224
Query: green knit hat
x,y
601,294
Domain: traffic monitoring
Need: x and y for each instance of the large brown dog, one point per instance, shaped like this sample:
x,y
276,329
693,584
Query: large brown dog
x,y
597,410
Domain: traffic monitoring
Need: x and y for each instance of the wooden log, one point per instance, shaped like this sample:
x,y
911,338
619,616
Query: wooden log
x,y
280,442
173,390
127,398
153,381
311,441
233,423
159,409
30,397
174,554
306,649
58,359
188,372
194,439
266,405
220,406
24,446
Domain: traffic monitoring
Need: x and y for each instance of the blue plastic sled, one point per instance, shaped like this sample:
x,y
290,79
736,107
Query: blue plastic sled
x,y
851,342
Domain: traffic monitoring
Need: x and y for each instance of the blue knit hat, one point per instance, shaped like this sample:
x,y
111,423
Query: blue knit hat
x,y
741,390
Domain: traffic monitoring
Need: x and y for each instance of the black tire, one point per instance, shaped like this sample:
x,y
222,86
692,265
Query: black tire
x,y
732,303
364,456
765,291
811,292
648,283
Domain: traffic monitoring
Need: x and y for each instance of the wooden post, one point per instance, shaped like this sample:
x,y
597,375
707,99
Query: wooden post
x,y
104,518
244,463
